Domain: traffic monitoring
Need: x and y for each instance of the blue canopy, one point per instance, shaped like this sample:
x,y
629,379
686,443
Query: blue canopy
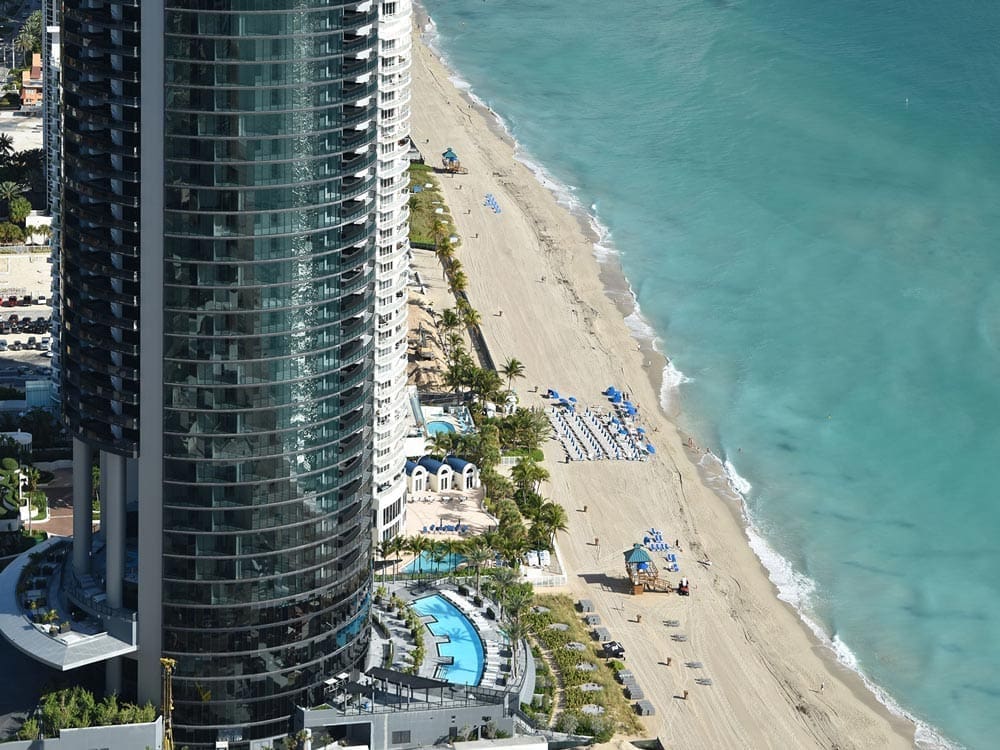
x,y
650,448
610,391
449,155
553,393
616,398
573,399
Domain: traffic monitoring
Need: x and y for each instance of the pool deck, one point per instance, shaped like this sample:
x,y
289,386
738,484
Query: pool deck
x,y
453,507
496,649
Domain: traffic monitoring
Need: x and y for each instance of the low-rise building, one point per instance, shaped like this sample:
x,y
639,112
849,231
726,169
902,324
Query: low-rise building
x,y
32,83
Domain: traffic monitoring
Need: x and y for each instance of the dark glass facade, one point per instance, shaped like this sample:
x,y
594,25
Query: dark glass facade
x,y
268,294
99,262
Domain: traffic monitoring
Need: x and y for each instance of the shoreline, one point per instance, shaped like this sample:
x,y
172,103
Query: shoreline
x,y
613,286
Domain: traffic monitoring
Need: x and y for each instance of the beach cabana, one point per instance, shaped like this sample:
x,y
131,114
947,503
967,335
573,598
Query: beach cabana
x,y
439,474
416,477
466,475
640,569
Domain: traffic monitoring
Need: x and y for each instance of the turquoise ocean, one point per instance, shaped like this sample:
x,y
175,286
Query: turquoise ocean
x,y
805,197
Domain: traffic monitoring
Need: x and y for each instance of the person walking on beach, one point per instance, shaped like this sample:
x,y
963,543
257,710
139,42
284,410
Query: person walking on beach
x,y
822,687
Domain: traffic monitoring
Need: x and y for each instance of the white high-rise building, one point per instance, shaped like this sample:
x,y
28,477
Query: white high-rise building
x,y
392,267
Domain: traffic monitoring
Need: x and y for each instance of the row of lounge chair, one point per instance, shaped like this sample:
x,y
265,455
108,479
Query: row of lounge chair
x,y
448,528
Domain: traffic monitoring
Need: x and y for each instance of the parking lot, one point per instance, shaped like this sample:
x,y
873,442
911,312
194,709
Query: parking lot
x,y
18,362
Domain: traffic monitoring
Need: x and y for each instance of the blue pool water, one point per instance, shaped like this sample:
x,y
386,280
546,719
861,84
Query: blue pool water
x,y
437,427
465,646
429,565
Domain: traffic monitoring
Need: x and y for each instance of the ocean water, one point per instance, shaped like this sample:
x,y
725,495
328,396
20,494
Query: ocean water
x,y
806,197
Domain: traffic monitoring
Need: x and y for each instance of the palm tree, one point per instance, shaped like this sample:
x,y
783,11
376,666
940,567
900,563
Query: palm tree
x,y
515,631
6,145
383,550
471,317
418,545
398,545
10,190
445,253
438,231
530,504
443,443
458,282
453,547
439,551
484,383
500,582
553,519
454,345
528,474
476,552
25,43
450,320
512,368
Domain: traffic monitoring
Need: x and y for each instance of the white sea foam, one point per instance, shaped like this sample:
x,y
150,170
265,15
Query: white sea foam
x,y
740,485
798,589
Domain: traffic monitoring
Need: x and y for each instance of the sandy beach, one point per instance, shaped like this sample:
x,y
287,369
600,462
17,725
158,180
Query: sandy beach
x,y
773,685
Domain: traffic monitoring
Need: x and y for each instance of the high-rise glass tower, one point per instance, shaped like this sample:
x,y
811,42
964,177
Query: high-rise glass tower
x,y
219,211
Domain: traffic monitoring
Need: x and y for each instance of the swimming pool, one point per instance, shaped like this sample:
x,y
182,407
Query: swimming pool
x,y
429,565
464,645
435,427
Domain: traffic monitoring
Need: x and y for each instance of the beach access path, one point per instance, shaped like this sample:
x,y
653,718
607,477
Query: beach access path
x,y
766,669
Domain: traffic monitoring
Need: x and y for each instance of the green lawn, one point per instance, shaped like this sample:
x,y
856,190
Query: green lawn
x,y
619,716
423,205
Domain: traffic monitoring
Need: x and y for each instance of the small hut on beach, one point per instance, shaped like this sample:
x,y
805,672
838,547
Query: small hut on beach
x,y
451,163
640,569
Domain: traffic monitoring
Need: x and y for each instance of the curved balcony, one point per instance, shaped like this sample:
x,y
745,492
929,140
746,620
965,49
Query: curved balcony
x,y
65,644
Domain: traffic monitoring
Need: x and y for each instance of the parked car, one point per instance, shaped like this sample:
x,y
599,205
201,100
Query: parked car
x,y
16,346
26,300
3,345
12,319
46,340
31,342
9,302
41,300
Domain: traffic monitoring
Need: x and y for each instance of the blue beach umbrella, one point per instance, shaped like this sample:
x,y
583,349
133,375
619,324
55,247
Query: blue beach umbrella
x,y
650,448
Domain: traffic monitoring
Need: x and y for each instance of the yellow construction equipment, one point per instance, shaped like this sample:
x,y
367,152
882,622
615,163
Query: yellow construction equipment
x,y
167,667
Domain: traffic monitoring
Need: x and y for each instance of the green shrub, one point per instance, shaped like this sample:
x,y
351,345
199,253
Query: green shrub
x,y
76,707
9,464
11,234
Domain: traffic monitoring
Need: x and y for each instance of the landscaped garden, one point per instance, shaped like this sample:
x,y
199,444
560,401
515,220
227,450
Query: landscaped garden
x,y
76,707
592,702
